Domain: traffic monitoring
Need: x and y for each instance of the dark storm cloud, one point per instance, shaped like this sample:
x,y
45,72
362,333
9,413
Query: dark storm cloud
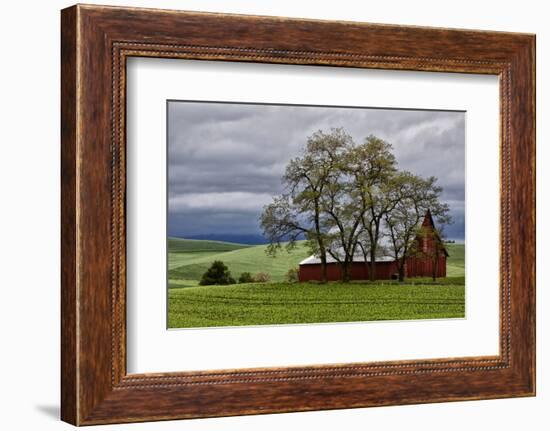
x,y
226,160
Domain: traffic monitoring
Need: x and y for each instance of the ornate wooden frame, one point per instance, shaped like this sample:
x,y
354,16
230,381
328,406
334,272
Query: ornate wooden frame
x,y
95,42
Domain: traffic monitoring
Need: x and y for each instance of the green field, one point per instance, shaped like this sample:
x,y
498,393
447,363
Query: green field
x,y
455,261
189,259
278,302
284,303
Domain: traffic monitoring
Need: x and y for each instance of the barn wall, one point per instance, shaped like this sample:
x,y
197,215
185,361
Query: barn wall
x,y
415,267
422,267
359,271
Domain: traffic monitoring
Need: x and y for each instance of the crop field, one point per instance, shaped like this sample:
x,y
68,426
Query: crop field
x,y
286,303
455,261
279,302
189,259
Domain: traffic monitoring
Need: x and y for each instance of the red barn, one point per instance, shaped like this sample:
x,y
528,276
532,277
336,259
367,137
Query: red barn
x,y
430,252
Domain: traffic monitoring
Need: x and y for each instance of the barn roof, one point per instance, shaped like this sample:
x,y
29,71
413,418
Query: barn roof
x,y
429,222
383,254
312,260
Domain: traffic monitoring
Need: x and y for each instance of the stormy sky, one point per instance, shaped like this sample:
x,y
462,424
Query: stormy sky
x,y
225,160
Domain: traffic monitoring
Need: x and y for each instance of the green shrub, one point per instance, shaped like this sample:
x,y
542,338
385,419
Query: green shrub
x,y
218,273
261,277
292,275
246,277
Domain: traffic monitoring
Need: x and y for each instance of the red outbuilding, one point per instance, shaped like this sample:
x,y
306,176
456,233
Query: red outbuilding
x,y
429,252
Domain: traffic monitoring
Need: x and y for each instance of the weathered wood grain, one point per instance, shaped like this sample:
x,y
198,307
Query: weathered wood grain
x,y
69,365
96,41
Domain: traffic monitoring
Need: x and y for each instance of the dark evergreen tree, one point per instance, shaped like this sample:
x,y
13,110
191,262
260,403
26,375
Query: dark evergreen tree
x,y
218,273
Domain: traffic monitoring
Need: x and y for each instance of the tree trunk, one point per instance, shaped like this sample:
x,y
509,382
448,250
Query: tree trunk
x,y
321,243
401,272
372,266
346,271
365,254
324,276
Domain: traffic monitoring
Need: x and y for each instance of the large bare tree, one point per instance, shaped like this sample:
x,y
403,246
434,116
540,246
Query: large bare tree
x,y
299,211
338,195
415,197
356,200
343,221
373,169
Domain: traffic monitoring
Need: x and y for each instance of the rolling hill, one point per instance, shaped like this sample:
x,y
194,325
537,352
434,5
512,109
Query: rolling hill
x,y
179,245
190,305
455,261
189,259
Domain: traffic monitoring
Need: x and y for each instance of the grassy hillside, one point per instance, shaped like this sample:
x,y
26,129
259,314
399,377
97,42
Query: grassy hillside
x,y
179,245
284,303
189,259
455,261
189,251
187,267
278,302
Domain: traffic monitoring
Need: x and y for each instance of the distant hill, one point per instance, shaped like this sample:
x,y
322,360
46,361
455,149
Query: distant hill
x,y
455,261
184,245
250,239
189,259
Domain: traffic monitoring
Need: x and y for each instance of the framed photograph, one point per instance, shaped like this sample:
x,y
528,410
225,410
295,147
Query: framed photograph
x,y
242,214
264,214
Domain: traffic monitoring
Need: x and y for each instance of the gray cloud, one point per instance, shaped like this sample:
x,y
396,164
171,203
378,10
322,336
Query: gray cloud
x,y
226,160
